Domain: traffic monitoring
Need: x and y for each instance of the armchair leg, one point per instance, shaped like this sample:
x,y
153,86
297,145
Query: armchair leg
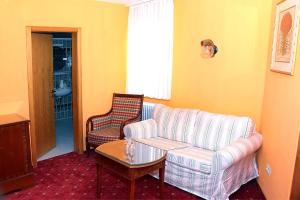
x,y
87,145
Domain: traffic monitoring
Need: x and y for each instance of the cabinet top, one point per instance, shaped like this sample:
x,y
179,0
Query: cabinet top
x,y
11,119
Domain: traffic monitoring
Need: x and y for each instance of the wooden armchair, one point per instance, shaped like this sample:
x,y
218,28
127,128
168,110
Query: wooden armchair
x,y
126,109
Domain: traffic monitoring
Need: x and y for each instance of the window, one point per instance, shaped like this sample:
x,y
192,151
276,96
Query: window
x,y
150,48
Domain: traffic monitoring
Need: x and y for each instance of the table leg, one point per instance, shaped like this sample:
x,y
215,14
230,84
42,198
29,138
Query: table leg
x,y
161,181
132,189
99,184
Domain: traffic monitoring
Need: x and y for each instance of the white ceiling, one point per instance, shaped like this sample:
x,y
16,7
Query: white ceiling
x,y
124,2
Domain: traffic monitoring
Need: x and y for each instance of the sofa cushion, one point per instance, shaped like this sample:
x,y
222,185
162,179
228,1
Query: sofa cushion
x,y
215,131
162,143
175,124
192,158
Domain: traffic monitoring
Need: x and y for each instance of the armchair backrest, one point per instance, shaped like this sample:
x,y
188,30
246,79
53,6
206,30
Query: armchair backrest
x,y
125,107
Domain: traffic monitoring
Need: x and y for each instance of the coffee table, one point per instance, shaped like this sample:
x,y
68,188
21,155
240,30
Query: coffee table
x,y
130,162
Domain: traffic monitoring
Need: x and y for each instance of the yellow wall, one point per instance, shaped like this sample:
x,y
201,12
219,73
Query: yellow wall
x,y
104,32
280,127
233,81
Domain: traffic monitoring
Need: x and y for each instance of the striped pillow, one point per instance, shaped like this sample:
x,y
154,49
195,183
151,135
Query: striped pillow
x,y
215,131
175,124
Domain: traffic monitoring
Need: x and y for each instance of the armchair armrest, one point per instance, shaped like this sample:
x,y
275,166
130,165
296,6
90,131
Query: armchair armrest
x,y
98,122
235,152
142,129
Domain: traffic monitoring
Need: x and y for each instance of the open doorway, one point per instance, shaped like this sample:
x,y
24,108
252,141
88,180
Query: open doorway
x,y
54,91
62,95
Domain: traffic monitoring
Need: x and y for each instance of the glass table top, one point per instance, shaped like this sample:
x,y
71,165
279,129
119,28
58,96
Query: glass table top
x,y
131,153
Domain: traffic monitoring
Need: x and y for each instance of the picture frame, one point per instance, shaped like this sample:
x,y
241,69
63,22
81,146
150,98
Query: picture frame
x,y
285,37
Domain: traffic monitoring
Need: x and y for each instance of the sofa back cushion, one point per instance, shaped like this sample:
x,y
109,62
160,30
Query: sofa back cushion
x,y
215,131
174,123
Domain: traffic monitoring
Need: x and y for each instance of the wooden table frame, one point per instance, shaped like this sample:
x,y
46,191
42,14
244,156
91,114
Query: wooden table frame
x,y
129,173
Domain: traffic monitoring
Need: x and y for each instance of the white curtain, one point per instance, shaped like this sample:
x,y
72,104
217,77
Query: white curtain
x,y
150,48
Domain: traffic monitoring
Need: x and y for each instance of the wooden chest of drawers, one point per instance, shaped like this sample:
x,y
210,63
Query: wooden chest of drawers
x,y
15,155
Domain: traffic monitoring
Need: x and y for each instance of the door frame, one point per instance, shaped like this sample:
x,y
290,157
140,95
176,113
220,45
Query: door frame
x,y
76,85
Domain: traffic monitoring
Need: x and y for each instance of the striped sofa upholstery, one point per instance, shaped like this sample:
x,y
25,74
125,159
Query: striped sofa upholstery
x,y
175,124
126,108
209,155
215,131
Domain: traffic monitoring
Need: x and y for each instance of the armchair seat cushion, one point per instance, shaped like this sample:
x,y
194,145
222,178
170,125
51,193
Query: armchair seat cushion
x,y
102,136
192,158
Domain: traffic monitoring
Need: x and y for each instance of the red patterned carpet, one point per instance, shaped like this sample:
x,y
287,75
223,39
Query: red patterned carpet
x,y
73,176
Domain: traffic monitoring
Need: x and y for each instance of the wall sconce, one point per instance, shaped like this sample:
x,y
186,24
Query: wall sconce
x,y
208,48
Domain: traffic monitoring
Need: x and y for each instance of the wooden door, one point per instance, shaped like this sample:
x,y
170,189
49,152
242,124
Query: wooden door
x,y
42,78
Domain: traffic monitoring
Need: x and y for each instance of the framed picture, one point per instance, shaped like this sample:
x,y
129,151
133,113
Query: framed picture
x,y
285,36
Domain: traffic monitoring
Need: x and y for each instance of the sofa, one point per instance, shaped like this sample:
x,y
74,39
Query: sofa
x,y
209,155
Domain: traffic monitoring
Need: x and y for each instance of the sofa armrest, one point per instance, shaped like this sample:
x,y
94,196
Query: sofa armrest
x,y
142,129
129,121
235,152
